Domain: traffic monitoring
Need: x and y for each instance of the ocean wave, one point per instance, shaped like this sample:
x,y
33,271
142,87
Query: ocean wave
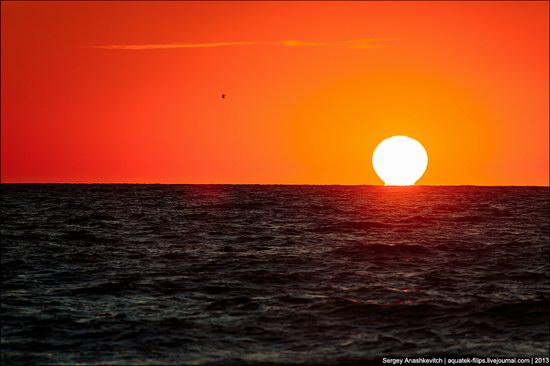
x,y
273,275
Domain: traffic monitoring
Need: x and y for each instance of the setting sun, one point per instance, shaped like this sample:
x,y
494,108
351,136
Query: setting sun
x,y
400,161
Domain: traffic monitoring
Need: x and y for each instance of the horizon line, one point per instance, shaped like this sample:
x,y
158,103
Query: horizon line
x,y
276,184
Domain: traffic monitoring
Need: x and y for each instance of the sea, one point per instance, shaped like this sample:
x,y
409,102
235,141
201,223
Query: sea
x,y
131,274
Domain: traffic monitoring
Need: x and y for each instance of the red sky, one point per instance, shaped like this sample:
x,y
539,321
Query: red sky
x,y
469,80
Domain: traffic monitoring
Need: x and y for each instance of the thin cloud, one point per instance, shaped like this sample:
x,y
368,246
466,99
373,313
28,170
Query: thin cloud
x,y
356,43
175,45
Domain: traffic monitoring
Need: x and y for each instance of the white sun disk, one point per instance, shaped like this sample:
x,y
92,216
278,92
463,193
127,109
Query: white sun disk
x,y
400,161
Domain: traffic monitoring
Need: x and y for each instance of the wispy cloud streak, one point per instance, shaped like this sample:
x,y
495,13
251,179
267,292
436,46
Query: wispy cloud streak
x,y
356,43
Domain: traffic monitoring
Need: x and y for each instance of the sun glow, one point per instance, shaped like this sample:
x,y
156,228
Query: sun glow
x,y
400,161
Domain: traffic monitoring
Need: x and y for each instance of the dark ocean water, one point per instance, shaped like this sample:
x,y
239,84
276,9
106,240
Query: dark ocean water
x,y
222,275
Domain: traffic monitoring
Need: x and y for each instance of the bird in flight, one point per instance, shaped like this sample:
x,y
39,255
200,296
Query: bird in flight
x,y
223,96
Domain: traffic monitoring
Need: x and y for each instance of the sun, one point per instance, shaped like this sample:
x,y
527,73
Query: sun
x,y
399,161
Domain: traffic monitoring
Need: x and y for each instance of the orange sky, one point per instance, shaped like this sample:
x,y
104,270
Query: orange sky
x,y
469,80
